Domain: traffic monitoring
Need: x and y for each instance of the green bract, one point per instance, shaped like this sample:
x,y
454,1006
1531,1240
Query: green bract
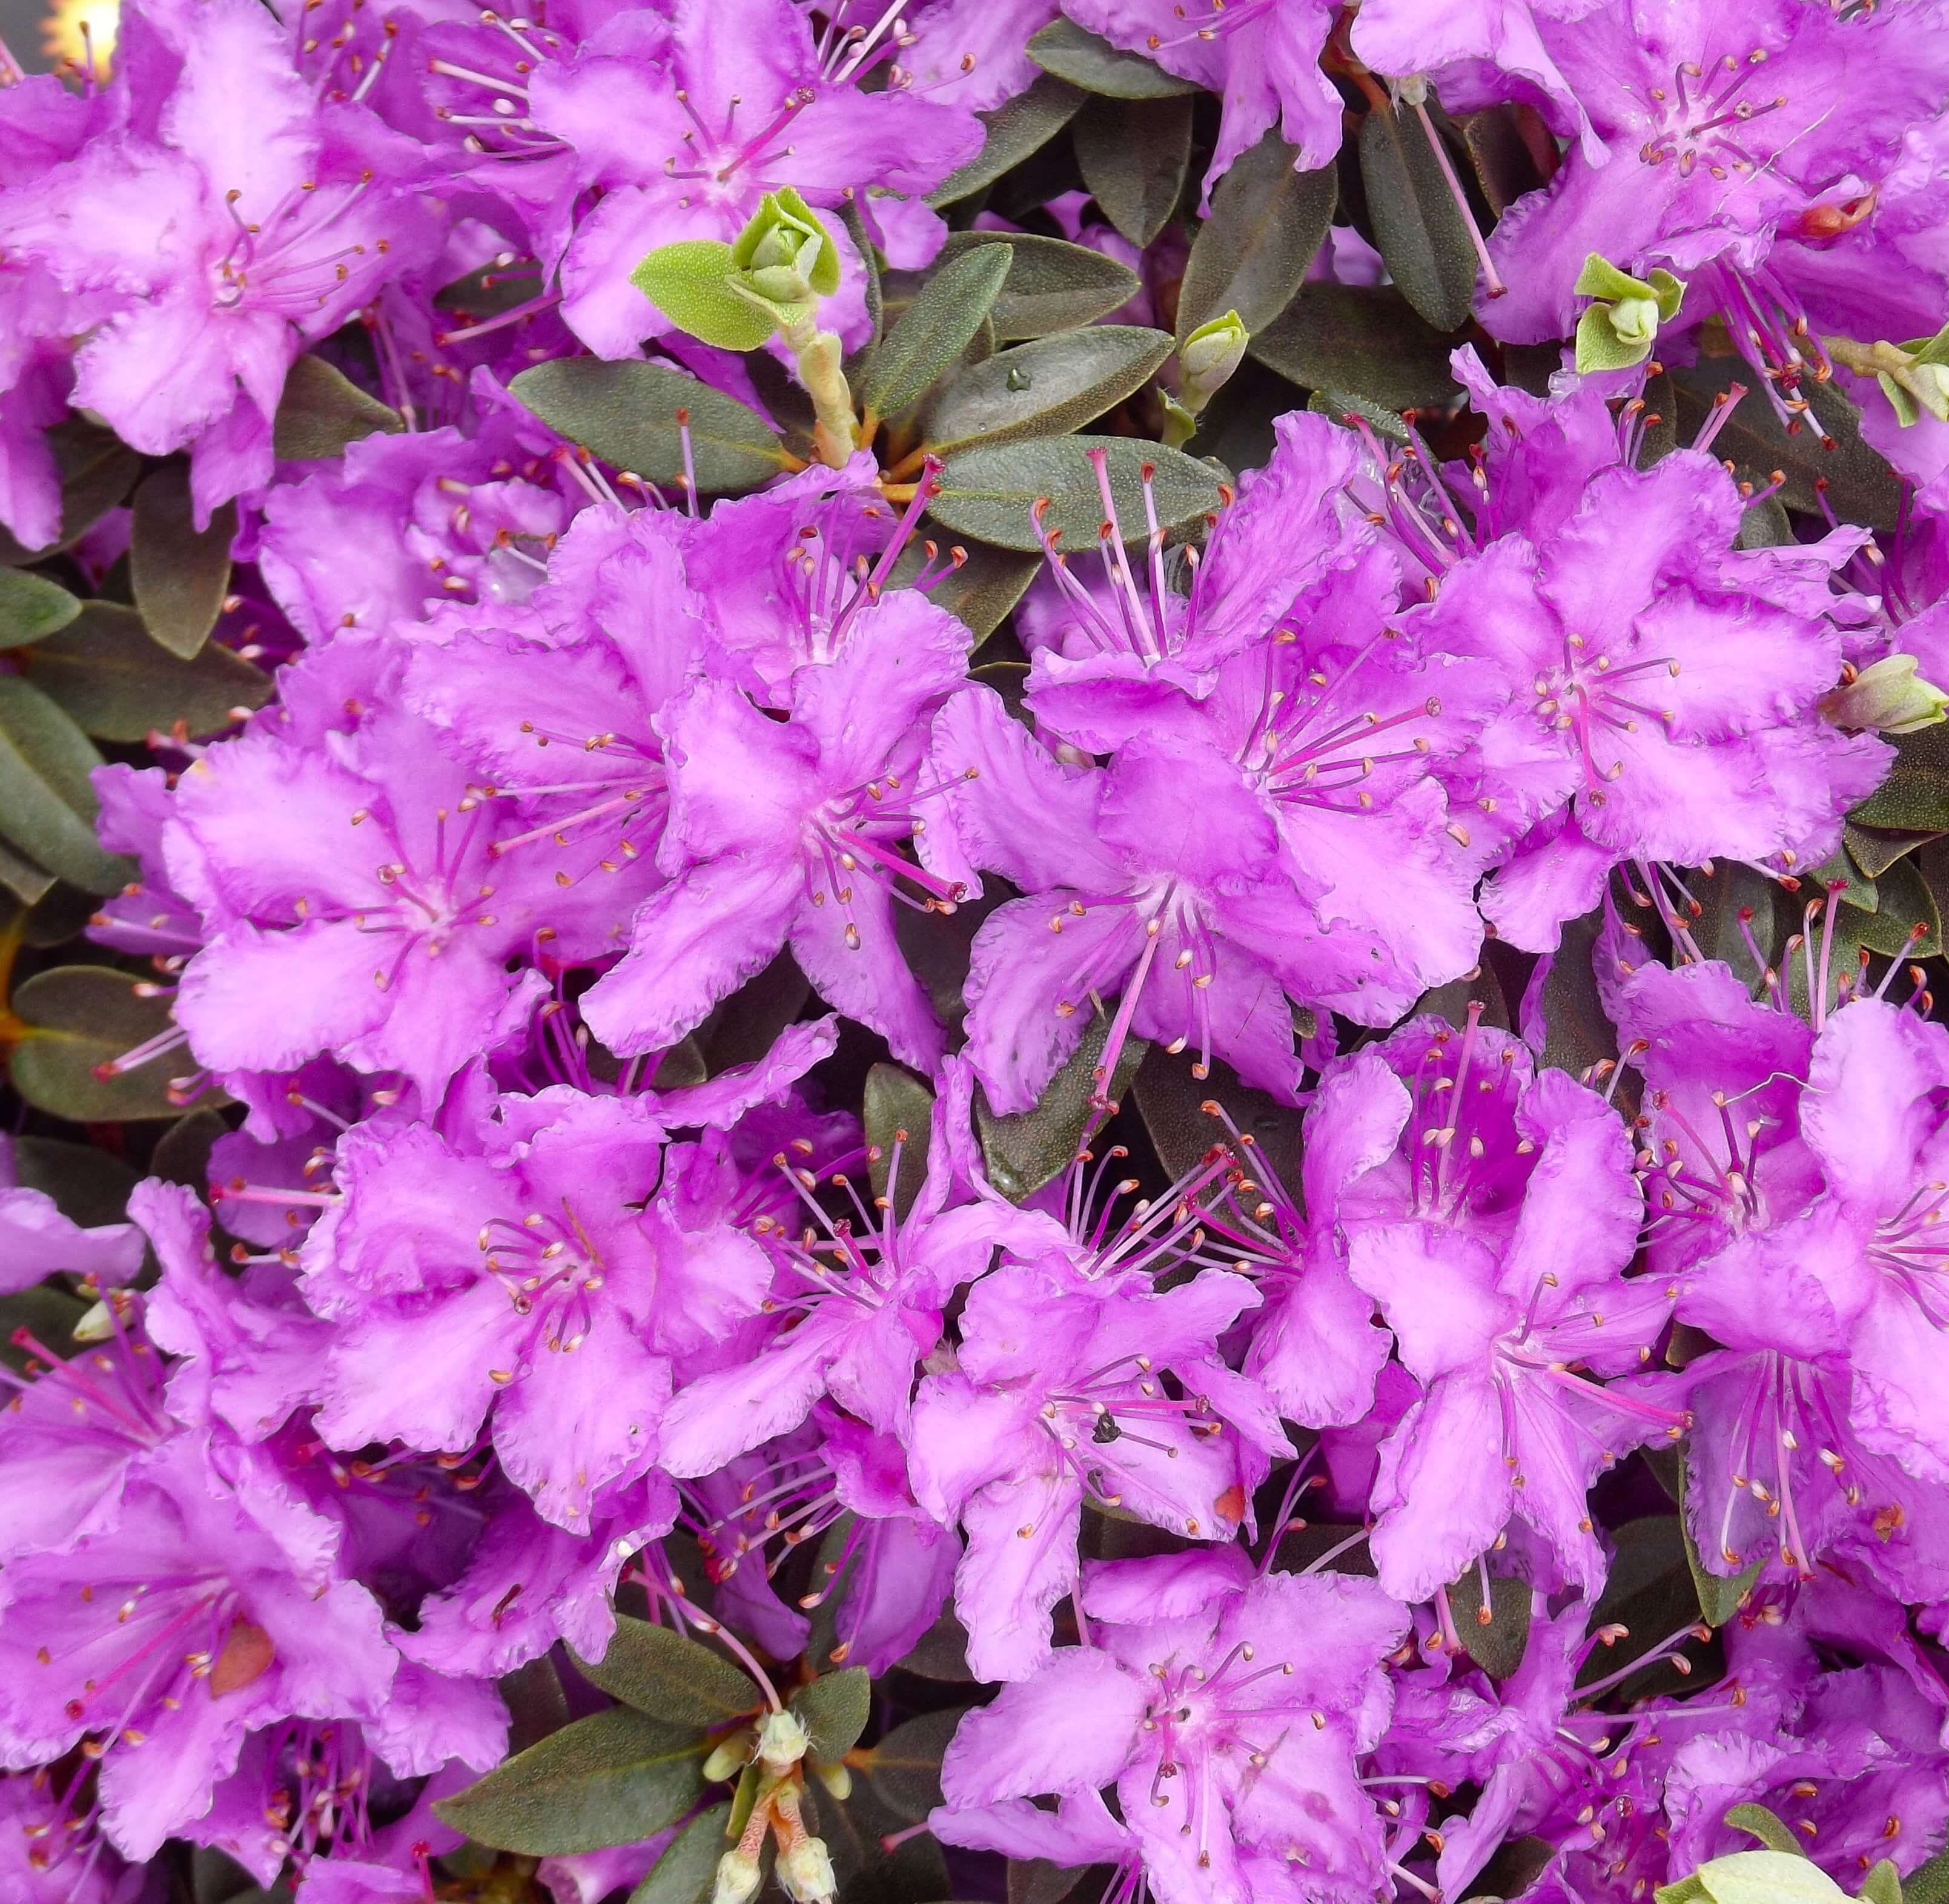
x,y
1619,328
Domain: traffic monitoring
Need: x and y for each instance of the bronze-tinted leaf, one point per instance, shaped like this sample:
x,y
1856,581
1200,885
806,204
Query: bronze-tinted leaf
x,y
180,574
323,410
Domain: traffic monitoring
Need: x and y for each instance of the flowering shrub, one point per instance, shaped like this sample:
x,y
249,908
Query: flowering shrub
x,y
976,949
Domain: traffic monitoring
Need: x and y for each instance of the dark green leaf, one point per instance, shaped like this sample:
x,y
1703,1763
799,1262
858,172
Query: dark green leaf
x,y
31,606
1764,525
96,468
48,1313
47,802
1769,1828
1041,1881
1497,1644
1134,154
686,1871
1016,128
1172,1101
1030,1148
536,1705
1718,1595
935,329
871,293
1903,902
1882,1885
1826,443
492,290
89,1185
322,411
1874,850
834,1708
1418,226
680,1681
1065,49
117,684
1251,256
989,491
899,1111
78,1017
1649,1592
627,415
1928,1882
182,1154
1506,166
1344,406
941,1652
1051,285
979,591
180,574
1914,798
1047,388
1578,1033
60,914
904,1768
606,1780
1363,339
216,1879
27,881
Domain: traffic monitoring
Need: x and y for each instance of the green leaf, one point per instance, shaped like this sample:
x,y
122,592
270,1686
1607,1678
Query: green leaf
x,y
1047,388
1874,850
1251,256
1914,798
898,1109
182,1154
1051,285
1928,1882
1418,227
491,290
678,1680
1016,128
627,414
90,1186
990,490
78,1017
48,1313
1826,444
904,1768
1067,50
1764,524
1029,1148
1171,1102
1769,1828
1882,1885
28,882
606,1780
1577,1032
180,574
96,469
47,802
1687,1890
1497,1645
686,1871
1504,162
1363,339
685,281
1902,901
1134,155
32,607
935,329
1342,405
834,1707
1599,346
323,410
1719,1594
117,684
1768,1878
981,590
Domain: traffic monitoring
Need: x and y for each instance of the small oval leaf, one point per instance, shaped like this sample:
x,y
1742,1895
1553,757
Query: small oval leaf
x,y
835,1708
77,1017
627,414
322,410
990,490
1251,254
1075,55
935,329
980,590
1030,1148
675,1680
47,802
180,574
117,684
1363,339
32,607
898,1112
606,1780
686,1871
1135,154
1418,226
1016,128
1046,388
1051,285
904,1768
685,280
97,470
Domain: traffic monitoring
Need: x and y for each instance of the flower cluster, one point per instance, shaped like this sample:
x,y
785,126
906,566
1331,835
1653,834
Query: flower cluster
x,y
829,1136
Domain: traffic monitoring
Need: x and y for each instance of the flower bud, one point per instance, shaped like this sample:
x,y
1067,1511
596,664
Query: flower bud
x,y
738,1878
1208,357
1619,327
782,1744
785,255
730,1756
805,1871
834,1775
1914,376
1889,695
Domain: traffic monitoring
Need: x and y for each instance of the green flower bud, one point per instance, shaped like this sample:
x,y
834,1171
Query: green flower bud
x,y
1914,376
730,1756
1890,695
739,1877
1208,357
1619,329
782,1742
805,1870
785,255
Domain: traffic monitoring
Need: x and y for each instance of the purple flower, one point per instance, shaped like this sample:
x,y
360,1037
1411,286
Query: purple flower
x,y
1227,1711
959,52
48,1852
37,1240
789,832
683,122
223,248
1056,1393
